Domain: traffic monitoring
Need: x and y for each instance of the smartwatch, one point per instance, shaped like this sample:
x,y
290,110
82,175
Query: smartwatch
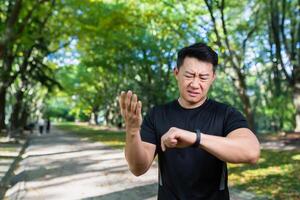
x,y
198,138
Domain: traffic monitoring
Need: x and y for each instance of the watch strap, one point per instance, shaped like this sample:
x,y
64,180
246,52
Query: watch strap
x,y
198,138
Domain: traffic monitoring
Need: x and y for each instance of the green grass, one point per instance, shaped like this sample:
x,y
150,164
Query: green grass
x,y
115,139
8,149
276,176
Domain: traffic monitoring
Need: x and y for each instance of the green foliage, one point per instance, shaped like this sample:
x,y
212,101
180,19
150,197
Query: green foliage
x,y
123,45
57,108
275,176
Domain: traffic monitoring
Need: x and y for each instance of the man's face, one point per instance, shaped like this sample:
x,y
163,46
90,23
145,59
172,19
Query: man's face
x,y
194,80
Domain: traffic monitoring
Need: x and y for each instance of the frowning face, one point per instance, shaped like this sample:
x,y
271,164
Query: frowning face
x,y
194,79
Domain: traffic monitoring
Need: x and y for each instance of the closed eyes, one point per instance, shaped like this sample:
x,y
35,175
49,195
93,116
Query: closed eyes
x,y
202,77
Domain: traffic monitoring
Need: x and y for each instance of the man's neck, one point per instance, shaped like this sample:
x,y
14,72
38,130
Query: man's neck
x,y
187,105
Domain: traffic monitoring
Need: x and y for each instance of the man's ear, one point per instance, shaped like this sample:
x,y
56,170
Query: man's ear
x,y
176,71
214,76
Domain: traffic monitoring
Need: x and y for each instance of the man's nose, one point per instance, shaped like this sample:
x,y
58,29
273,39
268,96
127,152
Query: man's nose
x,y
195,83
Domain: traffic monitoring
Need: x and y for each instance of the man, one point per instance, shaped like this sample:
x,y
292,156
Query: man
x,y
48,125
193,136
41,123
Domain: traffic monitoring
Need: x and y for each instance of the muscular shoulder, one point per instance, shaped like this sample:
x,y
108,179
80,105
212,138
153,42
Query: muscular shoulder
x,y
227,115
224,107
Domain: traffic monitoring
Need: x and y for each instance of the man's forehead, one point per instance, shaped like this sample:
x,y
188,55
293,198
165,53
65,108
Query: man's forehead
x,y
193,59
189,61
196,68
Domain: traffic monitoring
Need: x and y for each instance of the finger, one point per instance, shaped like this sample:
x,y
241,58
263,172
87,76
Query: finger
x,y
170,142
172,136
123,100
133,103
139,109
128,100
173,142
163,147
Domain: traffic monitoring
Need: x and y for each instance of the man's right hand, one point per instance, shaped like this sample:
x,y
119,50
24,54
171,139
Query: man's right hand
x,y
131,111
139,154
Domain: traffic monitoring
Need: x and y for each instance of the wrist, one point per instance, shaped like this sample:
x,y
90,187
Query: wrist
x,y
132,131
197,142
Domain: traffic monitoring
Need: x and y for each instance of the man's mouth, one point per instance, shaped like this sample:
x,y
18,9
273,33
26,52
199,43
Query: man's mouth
x,y
193,93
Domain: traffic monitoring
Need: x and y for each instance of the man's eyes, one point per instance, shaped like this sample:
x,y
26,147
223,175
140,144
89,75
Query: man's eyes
x,y
202,78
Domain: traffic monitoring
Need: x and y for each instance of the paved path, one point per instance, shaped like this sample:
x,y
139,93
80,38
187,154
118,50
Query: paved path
x,y
62,166
9,156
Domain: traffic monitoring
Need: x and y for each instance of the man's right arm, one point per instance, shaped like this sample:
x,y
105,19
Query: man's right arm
x,y
139,154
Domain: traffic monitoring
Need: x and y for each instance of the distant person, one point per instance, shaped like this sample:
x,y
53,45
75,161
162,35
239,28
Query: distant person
x,y
193,136
48,125
41,124
30,127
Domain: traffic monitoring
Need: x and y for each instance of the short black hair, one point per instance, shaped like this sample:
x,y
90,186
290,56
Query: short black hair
x,y
199,51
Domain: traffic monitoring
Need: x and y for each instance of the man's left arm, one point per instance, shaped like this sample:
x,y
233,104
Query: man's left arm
x,y
239,146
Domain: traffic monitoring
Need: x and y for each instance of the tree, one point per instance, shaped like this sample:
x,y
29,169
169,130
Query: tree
x,y
284,37
233,44
18,16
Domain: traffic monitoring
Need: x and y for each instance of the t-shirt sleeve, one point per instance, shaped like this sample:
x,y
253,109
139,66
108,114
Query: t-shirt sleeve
x,y
234,120
148,133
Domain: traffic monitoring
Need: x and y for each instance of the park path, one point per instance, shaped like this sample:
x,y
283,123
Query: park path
x,y
62,166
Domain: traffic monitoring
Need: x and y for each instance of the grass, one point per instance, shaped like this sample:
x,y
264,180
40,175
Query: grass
x,y
9,158
8,148
276,176
115,139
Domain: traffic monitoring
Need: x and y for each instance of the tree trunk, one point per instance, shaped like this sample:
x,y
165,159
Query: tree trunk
x,y
106,116
242,91
24,118
296,98
248,111
91,120
96,118
15,115
2,107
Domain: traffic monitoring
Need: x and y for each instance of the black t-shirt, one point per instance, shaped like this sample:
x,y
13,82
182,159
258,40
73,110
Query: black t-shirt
x,y
191,173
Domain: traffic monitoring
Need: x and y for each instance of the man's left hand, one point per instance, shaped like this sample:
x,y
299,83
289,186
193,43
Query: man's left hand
x,y
177,138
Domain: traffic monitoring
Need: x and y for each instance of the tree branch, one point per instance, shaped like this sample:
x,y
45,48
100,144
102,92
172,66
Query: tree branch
x,y
210,9
250,33
231,52
275,30
285,44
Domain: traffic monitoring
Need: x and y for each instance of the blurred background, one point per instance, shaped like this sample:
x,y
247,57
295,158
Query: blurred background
x,y
67,61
